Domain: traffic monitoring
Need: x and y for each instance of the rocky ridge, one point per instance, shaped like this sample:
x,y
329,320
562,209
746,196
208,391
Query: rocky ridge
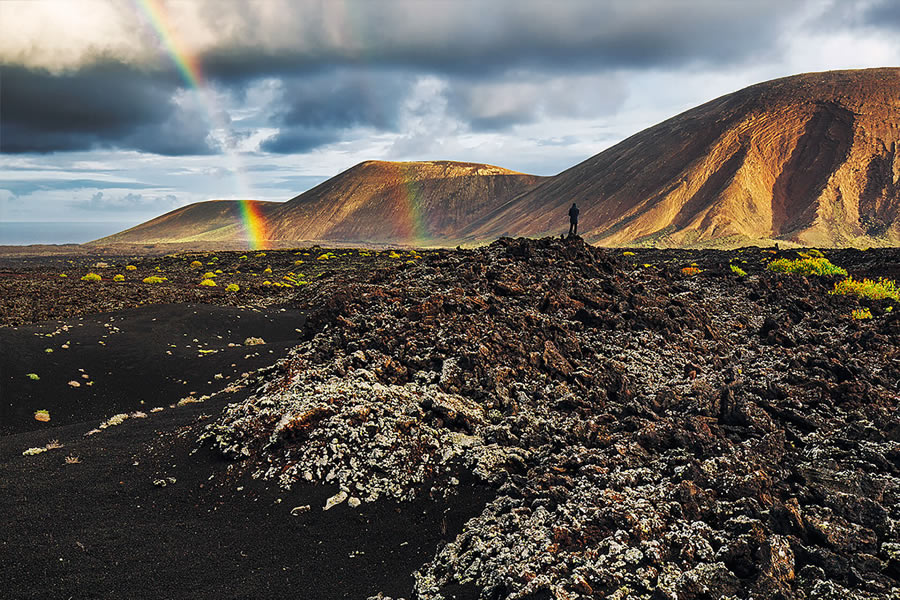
x,y
648,433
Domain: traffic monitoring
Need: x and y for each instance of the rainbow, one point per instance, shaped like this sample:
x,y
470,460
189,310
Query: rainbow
x,y
415,230
188,65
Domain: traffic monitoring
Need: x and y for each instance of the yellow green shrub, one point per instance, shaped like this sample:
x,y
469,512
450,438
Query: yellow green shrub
x,y
91,277
867,288
209,275
118,277
805,266
208,283
196,264
233,287
861,313
154,279
130,268
738,271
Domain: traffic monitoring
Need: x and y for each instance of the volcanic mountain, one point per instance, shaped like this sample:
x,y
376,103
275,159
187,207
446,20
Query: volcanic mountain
x,y
374,201
812,159
397,202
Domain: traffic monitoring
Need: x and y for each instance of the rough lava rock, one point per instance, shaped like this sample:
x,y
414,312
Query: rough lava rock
x,y
649,434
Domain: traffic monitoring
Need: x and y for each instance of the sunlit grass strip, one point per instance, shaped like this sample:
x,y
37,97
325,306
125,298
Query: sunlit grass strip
x,y
805,266
867,288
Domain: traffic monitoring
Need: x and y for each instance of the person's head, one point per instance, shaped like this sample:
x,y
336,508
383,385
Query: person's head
x,y
573,204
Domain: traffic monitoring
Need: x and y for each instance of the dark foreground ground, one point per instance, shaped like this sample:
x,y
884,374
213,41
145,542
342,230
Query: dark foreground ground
x,y
557,421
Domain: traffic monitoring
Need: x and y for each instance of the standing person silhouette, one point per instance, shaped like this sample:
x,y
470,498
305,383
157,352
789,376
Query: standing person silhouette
x,y
573,221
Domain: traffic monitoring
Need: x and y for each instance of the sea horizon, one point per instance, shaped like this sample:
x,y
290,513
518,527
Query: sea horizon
x,y
25,233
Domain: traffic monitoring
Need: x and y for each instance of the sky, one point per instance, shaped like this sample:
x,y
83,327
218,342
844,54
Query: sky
x,y
121,110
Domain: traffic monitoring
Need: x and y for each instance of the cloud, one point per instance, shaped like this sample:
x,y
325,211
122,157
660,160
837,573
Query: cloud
x,y
129,202
105,105
317,110
884,14
290,36
20,187
524,97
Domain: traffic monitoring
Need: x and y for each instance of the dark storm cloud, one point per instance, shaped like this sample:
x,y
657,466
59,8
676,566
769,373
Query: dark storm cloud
x,y
884,14
105,105
317,110
476,38
353,65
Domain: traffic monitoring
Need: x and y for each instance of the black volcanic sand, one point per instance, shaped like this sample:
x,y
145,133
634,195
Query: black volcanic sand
x,y
133,360
141,510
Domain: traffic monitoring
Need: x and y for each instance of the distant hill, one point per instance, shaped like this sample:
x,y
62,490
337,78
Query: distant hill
x,y
188,223
812,159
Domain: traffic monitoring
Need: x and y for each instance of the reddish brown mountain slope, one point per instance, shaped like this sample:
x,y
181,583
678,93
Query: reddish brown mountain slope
x,y
813,158
403,202
188,223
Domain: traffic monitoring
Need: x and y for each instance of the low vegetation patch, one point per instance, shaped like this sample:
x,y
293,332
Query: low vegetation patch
x,y
119,277
861,313
208,283
196,264
689,271
154,279
91,277
805,266
130,268
738,271
867,288
233,287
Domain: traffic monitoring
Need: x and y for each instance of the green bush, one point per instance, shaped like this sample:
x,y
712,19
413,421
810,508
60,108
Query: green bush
x,y
118,277
208,283
861,313
233,287
738,271
154,279
91,277
805,266
875,290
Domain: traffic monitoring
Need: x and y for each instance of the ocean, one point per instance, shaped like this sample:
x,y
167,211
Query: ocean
x,y
68,232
